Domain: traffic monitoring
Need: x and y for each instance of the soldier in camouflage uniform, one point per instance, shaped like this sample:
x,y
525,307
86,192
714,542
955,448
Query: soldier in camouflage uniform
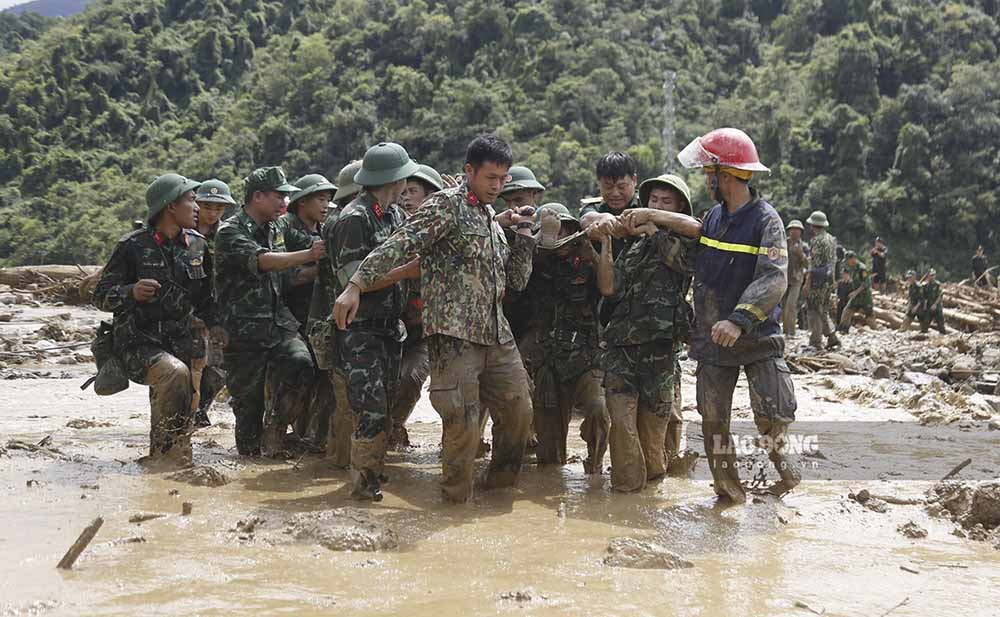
x,y
415,367
301,226
267,361
207,374
156,283
341,425
914,299
568,342
820,282
859,297
369,350
648,281
466,265
740,278
617,177
933,307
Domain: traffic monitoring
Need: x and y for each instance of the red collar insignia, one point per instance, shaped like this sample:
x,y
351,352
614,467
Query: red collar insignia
x,y
159,238
473,199
377,209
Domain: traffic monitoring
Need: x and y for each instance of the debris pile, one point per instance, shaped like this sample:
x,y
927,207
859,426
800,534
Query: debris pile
x,y
61,339
32,284
973,507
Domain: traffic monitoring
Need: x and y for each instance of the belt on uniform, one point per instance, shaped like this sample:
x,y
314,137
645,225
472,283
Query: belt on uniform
x,y
376,324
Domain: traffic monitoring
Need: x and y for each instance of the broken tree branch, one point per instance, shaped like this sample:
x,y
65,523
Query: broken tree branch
x,y
81,543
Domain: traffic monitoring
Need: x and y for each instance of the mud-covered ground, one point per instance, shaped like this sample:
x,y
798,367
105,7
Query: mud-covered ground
x,y
270,539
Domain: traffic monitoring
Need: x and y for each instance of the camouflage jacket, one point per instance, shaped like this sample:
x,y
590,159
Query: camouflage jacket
x,y
822,262
361,228
181,266
251,302
915,294
651,279
565,293
932,293
798,262
297,238
321,303
466,265
860,279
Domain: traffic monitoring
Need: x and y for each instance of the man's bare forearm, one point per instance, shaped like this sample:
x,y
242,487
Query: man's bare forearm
x,y
675,221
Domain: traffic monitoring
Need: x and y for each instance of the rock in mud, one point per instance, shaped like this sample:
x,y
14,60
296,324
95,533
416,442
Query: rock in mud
x,y
882,372
83,423
865,498
912,530
954,496
642,554
202,475
918,379
984,508
524,595
342,529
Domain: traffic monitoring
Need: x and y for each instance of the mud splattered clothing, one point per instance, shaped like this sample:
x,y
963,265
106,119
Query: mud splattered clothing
x,y
466,265
822,264
650,319
567,375
154,338
740,277
266,357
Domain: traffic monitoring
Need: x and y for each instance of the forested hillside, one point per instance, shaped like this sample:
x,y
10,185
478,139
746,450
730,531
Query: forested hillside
x,y
886,114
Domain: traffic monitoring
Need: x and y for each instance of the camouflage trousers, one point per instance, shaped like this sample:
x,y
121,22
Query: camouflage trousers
x,y
936,315
170,391
639,386
553,402
772,398
368,360
467,379
414,370
265,379
818,304
790,306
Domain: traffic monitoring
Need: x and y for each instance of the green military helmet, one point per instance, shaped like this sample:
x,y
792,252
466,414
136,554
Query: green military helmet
x,y
521,178
429,175
932,272
345,180
385,163
796,224
911,273
268,179
309,184
215,191
165,190
850,254
670,180
562,212
818,219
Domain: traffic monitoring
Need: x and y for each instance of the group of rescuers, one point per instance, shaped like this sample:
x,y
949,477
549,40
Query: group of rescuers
x,y
328,319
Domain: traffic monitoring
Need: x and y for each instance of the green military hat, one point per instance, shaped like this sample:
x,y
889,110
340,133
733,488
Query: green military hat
x,y
670,180
345,180
818,219
850,254
309,184
564,216
910,273
521,178
385,163
796,224
268,179
429,175
165,190
932,272
215,191
562,212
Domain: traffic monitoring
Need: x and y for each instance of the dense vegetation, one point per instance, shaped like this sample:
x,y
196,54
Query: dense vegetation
x,y
884,113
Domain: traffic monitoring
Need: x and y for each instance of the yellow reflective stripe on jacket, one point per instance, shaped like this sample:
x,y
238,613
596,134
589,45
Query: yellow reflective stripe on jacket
x,y
740,248
753,310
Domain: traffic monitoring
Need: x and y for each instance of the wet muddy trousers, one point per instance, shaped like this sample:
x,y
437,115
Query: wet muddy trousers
x,y
466,378
790,307
254,373
820,324
637,437
342,424
170,392
414,370
772,399
553,404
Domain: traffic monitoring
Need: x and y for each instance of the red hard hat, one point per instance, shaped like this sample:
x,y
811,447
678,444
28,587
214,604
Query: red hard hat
x,y
724,147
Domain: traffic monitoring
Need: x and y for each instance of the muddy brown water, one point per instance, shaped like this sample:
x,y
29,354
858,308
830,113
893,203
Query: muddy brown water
x,y
814,547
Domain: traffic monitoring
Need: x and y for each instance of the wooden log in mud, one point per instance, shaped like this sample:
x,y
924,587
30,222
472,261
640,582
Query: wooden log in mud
x,y
20,276
66,563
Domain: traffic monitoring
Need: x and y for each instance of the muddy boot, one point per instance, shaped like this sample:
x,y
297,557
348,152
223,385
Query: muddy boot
x,y
367,458
342,425
511,429
683,464
594,431
832,341
170,395
652,428
725,474
672,444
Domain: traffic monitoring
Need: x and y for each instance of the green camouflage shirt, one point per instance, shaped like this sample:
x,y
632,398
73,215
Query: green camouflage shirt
x,y
251,305
297,238
361,228
931,293
566,298
466,265
860,279
321,303
651,279
822,262
181,266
